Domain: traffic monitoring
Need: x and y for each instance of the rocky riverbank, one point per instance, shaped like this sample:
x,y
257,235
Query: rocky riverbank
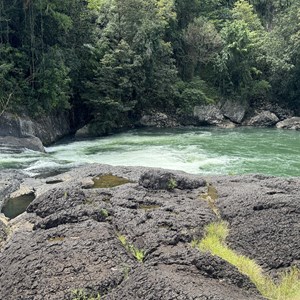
x,y
18,132
82,236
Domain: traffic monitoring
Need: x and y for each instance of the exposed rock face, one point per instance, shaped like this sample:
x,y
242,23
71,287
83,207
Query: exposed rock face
x,y
263,213
9,182
159,120
47,129
263,119
68,239
208,114
3,229
235,111
291,123
15,144
83,132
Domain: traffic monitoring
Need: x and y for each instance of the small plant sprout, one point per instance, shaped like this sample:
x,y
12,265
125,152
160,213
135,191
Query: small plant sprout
x,y
137,253
104,213
80,294
172,184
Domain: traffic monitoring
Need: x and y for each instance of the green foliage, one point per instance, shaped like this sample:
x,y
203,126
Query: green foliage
x,y
202,43
288,288
112,60
172,184
137,253
80,294
195,92
104,213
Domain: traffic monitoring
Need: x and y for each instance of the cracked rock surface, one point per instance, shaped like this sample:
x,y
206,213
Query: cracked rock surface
x,y
69,238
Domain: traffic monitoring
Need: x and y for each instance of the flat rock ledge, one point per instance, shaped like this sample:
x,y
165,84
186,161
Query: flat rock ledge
x,y
69,238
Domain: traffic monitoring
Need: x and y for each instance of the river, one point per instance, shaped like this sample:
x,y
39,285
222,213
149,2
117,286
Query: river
x,y
194,150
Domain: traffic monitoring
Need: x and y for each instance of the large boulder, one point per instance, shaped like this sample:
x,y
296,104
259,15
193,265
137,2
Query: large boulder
x,y
47,128
291,123
159,120
208,114
83,132
235,111
263,119
17,144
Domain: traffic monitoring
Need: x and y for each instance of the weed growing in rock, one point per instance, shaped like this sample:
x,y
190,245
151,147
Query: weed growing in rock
x,y
172,184
288,288
126,270
104,213
80,294
211,197
137,253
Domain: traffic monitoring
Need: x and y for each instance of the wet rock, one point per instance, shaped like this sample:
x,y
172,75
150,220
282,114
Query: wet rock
x,y
227,124
291,123
159,120
48,128
16,144
263,119
235,111
208,114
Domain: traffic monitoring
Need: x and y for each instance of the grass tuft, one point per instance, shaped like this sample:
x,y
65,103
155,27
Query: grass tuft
x,y
288,287
137,253
80,294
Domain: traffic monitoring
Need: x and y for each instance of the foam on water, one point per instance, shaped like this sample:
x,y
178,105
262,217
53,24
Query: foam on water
x,y
206,151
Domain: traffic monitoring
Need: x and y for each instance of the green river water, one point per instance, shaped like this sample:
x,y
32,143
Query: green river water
x,y
194,150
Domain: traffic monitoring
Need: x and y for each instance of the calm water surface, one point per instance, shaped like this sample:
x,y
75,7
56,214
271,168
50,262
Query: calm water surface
x,y
194,150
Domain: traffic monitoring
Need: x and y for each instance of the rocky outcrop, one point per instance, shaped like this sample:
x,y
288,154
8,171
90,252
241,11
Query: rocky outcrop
x,y
3,229
83,132
208,114
224,115
159,120
47,129
9,182
291,123
71,239
15,144
235,111
263,119
26,131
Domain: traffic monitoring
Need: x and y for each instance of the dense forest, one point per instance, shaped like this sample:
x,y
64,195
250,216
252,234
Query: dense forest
x,y
108,61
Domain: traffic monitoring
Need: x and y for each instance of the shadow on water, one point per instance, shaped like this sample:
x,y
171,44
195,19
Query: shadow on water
x,y
16,206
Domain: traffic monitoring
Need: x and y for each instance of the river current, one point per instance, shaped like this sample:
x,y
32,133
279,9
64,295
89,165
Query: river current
x,y
194,150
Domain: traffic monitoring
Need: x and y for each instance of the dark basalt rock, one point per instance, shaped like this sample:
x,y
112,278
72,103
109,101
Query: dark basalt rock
x,y
263,214
69,237
163,180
